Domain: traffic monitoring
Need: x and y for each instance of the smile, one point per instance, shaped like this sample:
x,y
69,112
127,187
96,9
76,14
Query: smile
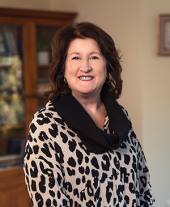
x,y
86,78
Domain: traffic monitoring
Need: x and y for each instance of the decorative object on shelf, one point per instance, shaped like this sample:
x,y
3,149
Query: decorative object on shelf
x,y
11,76
3,45
11,88
164,34
43,48
12,111
43,57
9,45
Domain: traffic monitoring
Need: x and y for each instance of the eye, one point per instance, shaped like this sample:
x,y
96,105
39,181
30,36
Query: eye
x,y
94,57
75,58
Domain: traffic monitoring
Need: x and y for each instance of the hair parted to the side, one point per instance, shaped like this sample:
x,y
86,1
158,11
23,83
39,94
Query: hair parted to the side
x,y
60,44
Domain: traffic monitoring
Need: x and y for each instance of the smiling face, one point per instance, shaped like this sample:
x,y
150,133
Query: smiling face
x,y
85,68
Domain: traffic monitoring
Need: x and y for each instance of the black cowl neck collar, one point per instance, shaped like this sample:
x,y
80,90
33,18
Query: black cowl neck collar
x,y
95,140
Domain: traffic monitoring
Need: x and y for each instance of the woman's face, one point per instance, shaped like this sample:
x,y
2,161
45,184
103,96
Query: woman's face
x,y
85,67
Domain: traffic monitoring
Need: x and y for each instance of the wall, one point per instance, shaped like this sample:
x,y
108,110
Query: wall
x,y
31,4
155,100
146,92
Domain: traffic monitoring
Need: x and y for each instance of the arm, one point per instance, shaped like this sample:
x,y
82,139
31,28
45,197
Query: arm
x,y
145,191
43,174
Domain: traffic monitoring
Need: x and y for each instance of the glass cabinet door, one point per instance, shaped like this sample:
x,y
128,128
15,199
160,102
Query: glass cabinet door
x,y
44,38
12,117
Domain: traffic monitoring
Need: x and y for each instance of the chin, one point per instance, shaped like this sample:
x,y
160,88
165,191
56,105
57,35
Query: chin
x,y
87,93
85,90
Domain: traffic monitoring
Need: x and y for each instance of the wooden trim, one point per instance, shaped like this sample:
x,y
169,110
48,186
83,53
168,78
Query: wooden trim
x,y
10,175
30,57
31,106
158,35
12,20
30,13
162,20
13,190
30,70
51,22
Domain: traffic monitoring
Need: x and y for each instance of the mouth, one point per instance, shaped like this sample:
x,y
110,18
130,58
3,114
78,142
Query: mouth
x,y
84,78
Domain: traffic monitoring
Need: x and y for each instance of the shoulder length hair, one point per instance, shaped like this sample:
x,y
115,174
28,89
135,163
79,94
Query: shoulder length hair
x,y
60,44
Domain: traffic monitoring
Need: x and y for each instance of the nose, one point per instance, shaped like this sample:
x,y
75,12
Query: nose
x,y
85,66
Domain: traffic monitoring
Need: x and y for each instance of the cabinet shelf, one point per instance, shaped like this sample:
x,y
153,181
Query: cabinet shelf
x,y
20,126
10,161
43,65
42,88
5,66
10,96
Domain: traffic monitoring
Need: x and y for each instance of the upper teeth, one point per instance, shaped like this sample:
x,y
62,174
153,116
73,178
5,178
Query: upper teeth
x,y
85,78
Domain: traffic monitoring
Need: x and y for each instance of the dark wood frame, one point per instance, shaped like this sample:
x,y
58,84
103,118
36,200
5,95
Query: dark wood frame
x,y
163,19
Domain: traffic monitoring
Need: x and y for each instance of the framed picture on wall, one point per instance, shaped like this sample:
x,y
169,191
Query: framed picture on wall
x,y
164,34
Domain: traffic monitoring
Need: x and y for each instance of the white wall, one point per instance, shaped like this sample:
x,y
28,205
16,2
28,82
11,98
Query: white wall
x,y
155,100
146,93
31,4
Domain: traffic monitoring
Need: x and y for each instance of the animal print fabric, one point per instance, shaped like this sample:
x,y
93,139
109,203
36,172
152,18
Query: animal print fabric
x,y
61,172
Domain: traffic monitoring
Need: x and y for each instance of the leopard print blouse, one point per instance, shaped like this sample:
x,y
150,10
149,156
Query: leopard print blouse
x,y
60,171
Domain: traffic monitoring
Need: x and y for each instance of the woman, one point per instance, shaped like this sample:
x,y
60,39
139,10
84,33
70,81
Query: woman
x,y
82,150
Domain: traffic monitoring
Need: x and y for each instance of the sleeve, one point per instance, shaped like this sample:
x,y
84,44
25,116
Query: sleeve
x,y
145,189
42,168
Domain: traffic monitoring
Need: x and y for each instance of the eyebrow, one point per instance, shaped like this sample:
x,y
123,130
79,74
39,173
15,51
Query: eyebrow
x,y
77,53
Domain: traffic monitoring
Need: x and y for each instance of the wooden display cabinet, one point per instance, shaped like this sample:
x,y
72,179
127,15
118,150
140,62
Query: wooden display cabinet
x,y
24,34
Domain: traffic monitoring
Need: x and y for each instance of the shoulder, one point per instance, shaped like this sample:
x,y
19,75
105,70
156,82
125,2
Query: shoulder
x,y
45,122
45,111
43,130
132,138
46,115
125,111
131,130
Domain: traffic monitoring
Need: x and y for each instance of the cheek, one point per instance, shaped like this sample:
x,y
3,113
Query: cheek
x,y
68,70
104,74
103,71
71,68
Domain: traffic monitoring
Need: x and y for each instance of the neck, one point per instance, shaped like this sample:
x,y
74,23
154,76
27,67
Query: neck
x,y
89,103
94,107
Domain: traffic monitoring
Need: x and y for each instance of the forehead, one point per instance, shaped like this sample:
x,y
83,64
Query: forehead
x,y
83,45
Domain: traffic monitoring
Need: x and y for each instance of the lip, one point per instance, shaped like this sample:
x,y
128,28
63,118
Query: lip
x,y
85,76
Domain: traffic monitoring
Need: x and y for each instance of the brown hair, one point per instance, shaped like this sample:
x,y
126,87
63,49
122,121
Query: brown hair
x,y
60,44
